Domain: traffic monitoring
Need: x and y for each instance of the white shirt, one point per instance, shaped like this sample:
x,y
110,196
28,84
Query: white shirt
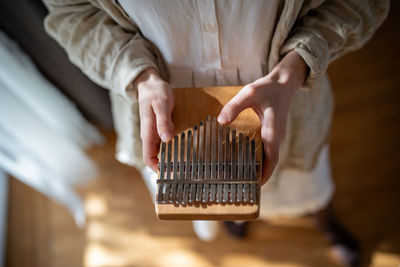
x,y
207,42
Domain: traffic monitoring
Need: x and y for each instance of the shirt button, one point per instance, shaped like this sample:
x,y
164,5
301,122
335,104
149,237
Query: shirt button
x,y
208,27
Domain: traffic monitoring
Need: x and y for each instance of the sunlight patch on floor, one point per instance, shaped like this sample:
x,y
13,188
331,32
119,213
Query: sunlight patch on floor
x,y
384,259
247,260
108,245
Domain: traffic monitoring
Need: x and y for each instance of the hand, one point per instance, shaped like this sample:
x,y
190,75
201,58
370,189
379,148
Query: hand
x,y
156,102
270,97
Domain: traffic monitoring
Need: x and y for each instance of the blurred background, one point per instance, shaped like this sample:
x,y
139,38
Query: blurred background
x,y
121,227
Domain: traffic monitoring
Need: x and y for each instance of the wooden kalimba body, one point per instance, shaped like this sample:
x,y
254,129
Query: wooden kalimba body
x,y
209,171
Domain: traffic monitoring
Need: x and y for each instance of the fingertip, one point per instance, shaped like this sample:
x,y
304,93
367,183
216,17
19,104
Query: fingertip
x,y
226,115
152,163
165,128
222,119
154,166
229,113
165,137
264,180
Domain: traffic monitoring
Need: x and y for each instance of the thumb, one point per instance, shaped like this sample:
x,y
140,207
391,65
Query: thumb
x,y
237,104
165,127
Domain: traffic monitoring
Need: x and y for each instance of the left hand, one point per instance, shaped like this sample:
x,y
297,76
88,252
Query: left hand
x,y
156,102
270,98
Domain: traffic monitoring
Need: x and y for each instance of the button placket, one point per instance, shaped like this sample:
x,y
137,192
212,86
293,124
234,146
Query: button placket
x,y
210,36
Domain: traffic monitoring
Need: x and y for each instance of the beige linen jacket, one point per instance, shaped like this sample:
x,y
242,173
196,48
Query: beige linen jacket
x,y
102,40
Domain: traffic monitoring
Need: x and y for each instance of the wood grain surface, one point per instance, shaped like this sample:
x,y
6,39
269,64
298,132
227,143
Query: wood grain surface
x,y
193,105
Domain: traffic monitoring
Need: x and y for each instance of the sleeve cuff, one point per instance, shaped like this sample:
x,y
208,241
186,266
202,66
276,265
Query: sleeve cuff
x,y
126,87
313,48
133,59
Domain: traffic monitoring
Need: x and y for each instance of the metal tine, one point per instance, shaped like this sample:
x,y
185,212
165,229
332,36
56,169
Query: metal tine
x,y
214,146
246,169
253,160
181,169
162,174
194,164
207,174
253,171
233,167
226,164
187,167
167,188
220,161
201,160
246,158
175,169
239,189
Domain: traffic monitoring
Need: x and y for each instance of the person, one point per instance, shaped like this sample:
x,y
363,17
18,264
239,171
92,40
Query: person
x,y
278,50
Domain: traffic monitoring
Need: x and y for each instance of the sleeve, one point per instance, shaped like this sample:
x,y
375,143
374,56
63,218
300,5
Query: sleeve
x,y
107,53
333,29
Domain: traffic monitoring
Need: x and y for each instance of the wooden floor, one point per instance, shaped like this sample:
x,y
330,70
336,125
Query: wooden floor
x,y
122,229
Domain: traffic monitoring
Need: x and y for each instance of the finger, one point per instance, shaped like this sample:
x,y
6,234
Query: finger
x,y
163,110
270,161
271,145
244,99
151,143
150,139
150,156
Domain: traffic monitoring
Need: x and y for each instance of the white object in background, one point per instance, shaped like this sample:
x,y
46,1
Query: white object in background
x,y
42,134
3,214
205,230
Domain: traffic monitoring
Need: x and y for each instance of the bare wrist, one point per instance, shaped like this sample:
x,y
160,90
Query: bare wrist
x,y
147,75
292,69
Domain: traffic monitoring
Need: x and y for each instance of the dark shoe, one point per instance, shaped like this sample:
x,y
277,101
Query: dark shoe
x,y
237,230
344,244
347,255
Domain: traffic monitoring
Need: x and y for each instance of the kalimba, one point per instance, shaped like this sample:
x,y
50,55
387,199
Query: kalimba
x,y
209,171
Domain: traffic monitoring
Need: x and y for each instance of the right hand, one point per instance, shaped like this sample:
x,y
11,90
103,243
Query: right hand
x,y
270,97
156,102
